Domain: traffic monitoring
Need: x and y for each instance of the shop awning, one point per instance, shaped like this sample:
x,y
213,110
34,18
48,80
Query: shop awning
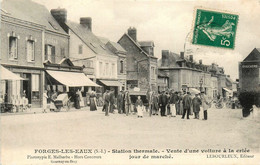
x,y
8,75
194,90
71,79
111,83
228,90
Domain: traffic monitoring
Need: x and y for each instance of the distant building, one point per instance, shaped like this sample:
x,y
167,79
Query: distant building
x,y
184,73
249,72
29,36
88,50
141,64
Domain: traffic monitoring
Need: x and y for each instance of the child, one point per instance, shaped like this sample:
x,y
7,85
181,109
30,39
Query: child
x,y
139,107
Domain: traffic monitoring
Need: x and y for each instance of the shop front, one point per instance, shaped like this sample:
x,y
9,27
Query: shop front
x,y
70,79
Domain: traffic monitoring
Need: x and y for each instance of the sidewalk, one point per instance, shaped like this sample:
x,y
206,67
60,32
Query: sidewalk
x,y
40,110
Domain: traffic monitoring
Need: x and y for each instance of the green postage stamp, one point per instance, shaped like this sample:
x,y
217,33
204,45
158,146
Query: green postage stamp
x,y
214,28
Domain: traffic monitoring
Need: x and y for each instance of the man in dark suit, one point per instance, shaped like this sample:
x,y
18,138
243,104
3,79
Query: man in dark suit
x,y
163,101
187,103
112,101
119,102
106,100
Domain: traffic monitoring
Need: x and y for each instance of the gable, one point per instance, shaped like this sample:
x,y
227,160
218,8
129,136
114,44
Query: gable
x,y
253,56
66,62
131,47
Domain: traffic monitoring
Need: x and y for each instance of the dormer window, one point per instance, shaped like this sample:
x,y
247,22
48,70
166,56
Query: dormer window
x,y
103,47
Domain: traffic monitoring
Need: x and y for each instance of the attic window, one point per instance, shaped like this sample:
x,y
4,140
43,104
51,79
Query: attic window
x,y
93,45
103,47
52,25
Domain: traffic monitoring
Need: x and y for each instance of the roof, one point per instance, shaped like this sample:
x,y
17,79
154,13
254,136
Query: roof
x,y
146,43
171,61
162,73
33,12
254,55
90,39
103,39
137,45
117,46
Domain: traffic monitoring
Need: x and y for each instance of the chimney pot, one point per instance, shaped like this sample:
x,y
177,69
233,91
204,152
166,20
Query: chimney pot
x,y
165,57
59,14
132,33
86,22
182,55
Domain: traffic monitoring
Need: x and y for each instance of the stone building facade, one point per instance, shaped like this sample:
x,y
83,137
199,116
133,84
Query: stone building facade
x,y
29,36
249,72
141,64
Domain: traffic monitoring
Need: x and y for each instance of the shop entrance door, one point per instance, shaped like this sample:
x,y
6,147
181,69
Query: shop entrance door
x,y
27,86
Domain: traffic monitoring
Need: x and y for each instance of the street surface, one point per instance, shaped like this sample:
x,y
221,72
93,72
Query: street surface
x,y
224,128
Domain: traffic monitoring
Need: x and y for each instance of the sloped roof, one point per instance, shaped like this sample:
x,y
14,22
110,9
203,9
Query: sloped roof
x,y
146,43
117,46
162,73
33,12
137,45
103,39
90,39
172,61
254,55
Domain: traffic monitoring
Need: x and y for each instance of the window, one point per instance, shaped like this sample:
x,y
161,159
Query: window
x,y
113,71
80,49
35,86
30,50
132,83
107,69
50,53
101,68
152,72
121,66
62,52
13,54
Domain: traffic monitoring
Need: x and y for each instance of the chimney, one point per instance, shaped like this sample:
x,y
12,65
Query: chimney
x,y
165,58
132,33
200,61
60,15
191,58
86,22
228,76
182,55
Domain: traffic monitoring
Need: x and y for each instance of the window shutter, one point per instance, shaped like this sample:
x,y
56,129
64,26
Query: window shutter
x,y
16,48
46,52
53,54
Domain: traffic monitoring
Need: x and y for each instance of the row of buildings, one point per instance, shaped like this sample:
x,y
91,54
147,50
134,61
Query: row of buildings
x,y
52,53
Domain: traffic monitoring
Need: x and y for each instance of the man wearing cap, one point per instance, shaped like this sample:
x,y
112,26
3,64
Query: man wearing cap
x,y
187,103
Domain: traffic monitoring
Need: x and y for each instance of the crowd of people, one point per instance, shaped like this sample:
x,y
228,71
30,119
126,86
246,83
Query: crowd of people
x,y
168,103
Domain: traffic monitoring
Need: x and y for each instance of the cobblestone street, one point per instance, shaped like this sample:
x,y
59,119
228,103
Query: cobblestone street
x,y
85,129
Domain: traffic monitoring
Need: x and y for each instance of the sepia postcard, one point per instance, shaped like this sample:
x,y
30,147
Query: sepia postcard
x,y
130,82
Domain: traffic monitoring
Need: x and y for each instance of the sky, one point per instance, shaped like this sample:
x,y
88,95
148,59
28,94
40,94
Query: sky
x,y
169,24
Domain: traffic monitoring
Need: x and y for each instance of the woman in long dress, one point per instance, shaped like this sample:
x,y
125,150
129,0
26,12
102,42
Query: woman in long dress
x,y
77,100
139,107
92,100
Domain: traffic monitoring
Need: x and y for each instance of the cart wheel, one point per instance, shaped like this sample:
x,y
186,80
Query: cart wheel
x,y
68,106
